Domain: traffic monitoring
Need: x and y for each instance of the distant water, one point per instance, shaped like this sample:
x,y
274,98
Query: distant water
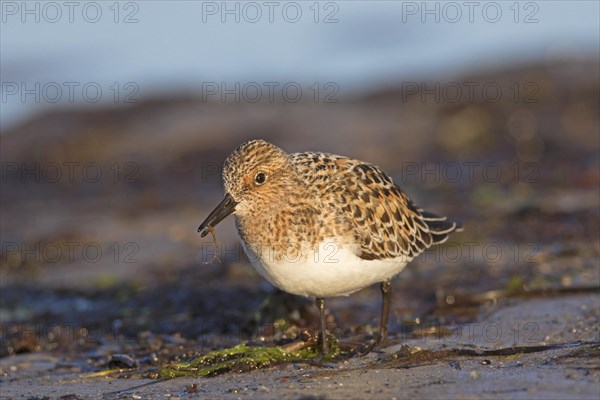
x,y
91,53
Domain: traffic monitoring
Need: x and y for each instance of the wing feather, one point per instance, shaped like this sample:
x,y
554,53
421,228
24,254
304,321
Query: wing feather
x,y
385,222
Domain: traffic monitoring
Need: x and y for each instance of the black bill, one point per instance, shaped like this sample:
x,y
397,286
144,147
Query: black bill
x,y
226,207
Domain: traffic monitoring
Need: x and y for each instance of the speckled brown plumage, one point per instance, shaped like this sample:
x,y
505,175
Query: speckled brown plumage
x,y
313,196
385,221
317,224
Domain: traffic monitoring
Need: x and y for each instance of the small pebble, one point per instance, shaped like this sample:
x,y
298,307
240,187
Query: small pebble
x,y
454,365
474,375
122,361
193,388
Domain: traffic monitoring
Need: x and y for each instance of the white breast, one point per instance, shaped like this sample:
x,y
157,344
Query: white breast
x,y
329,271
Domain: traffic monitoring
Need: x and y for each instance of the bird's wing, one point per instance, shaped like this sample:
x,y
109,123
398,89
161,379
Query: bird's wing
x,y
386,223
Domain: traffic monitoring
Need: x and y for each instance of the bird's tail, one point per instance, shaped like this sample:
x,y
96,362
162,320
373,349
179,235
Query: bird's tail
x,y
439,227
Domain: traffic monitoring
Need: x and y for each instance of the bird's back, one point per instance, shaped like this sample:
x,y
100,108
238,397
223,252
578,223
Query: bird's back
x,y
386,224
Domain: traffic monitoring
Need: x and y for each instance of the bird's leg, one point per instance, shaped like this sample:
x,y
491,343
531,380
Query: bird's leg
x,y
386,291
320,302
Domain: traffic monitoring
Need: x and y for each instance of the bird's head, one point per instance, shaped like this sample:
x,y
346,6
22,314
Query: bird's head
x,y
258,176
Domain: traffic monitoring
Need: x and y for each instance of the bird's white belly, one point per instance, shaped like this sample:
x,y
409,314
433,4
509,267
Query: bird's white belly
x,y
332,270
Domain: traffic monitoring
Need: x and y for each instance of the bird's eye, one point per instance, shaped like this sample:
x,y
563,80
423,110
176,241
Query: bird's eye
x,y
260,178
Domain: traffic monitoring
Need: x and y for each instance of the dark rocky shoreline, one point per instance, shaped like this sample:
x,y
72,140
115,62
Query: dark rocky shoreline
x,y
95,265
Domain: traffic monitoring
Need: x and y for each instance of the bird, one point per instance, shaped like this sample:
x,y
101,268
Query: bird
x,y
321,225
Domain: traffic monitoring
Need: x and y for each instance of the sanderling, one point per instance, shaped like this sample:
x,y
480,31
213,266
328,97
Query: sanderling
x,y
323,225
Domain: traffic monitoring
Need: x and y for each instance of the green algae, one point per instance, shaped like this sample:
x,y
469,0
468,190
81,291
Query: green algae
x,y
244,358
515,285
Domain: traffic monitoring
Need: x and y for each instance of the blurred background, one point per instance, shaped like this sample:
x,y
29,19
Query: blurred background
x,y
116,118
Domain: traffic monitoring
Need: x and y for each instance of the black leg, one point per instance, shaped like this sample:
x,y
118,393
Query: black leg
x,y
386,290
322,331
